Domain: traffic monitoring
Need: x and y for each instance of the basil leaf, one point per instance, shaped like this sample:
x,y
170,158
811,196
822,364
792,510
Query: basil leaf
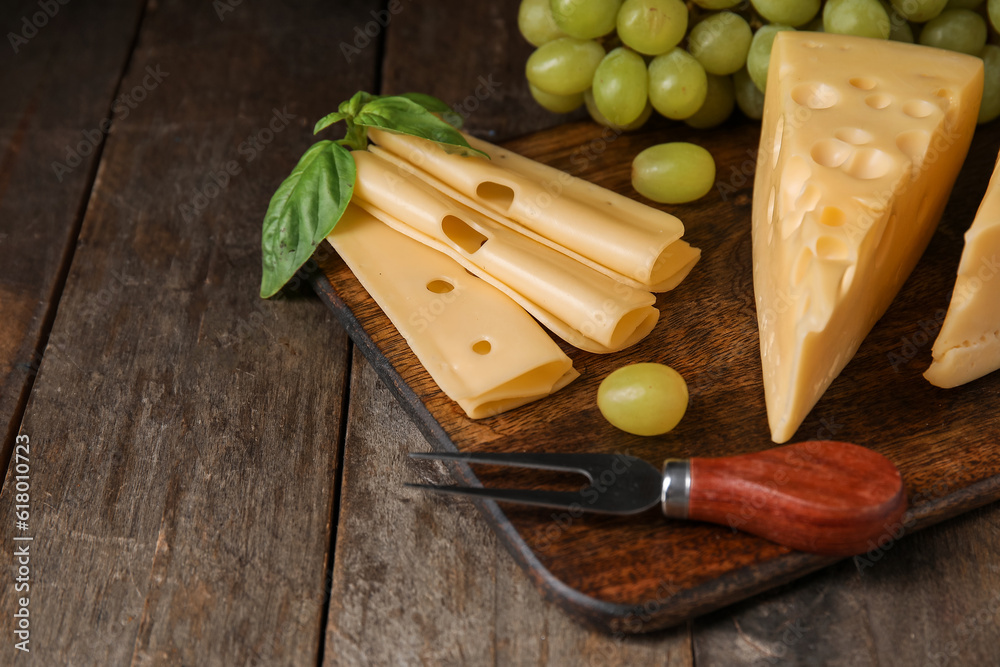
x,y
305,208
352,106
434,105
328,120
404,116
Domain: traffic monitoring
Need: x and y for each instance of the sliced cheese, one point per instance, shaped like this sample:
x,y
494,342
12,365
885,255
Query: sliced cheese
x,y
968,345
584,307
481,348
628,238
861,143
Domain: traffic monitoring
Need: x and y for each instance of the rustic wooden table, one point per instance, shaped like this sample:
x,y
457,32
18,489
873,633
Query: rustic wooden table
x,y
213,479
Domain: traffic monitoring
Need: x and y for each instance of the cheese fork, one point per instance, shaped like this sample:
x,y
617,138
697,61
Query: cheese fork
x,y
824,497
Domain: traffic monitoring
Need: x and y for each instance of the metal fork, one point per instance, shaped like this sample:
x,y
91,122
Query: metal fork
x,y
819,496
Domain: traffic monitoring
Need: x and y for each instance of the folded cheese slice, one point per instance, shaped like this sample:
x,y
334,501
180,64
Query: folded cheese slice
x,y
480,347
623,238
968,345
861,143
585,308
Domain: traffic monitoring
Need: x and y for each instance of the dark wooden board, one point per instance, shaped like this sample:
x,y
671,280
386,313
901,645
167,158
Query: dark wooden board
x,y
645,573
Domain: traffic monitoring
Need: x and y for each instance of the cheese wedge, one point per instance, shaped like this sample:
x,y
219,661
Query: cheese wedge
x,y
861,143
632,242
968,345
481,348
584,307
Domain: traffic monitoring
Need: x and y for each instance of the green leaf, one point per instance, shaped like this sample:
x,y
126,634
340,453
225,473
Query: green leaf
x,y
352,106
434,105
404,116
306,207
328,120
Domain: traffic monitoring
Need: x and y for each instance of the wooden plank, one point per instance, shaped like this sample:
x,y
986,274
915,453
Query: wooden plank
x,y
708,332
184,441
419,579
51,114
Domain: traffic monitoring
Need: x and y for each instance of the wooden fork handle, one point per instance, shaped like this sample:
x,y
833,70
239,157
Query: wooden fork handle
x,y
818,496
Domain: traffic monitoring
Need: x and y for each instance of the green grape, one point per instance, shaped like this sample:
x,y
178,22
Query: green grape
x,y
963,4
864,18
564,66
643,399
619,87
677,84
717,4
673,173
749,98
993,8
720,42
759,56
534,20
787,12
556,103
919,11
598,117
652,27
585,19
718,106
990,107
899,28
961,30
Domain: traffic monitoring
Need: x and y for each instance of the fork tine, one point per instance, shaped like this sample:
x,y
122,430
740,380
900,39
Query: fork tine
x,y
554,499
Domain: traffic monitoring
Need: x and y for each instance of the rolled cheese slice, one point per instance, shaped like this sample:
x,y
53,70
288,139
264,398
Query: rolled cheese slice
x,y
631,239
482,349
968,345
582,306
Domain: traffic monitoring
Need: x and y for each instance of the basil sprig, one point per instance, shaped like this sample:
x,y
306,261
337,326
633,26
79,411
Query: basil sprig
x,y
309,203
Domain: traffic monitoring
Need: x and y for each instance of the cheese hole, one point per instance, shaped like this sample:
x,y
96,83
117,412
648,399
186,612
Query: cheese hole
x,y
815,95
868,163
829,247
462,234
862,82
918,109
482,347
440,286
832,217
496,194
854,135
847,279
770,205
830,152
913,143
776,148
878,100
812,45
802,266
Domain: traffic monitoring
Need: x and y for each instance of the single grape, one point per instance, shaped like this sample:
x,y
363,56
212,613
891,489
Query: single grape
x,y
720,42
643,399
677,84
673,173
787,12
864,18
759,56
619,87
993,8
990,107
598,117
899,28
585,19
652,27
564,66
749,98
961,30
534,20
556,103
718,106
919,11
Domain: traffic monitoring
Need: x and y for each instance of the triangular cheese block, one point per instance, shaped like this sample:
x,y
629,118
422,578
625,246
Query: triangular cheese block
x,y
968,346
861,143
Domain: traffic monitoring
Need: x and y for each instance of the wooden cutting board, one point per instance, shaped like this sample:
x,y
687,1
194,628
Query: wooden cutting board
x,y
643,573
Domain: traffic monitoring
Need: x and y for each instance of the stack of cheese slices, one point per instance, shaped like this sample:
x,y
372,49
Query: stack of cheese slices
x,y
458,251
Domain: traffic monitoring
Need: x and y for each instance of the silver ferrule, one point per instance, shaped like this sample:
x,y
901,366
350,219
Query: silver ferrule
x,y
676,488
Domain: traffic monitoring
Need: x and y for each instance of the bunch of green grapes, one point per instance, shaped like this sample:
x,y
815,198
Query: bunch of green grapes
x,y
697,61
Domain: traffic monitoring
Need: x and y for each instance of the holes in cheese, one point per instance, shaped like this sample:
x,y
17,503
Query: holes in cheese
x,y
968,345
584,307
478,346
859,152
622,236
